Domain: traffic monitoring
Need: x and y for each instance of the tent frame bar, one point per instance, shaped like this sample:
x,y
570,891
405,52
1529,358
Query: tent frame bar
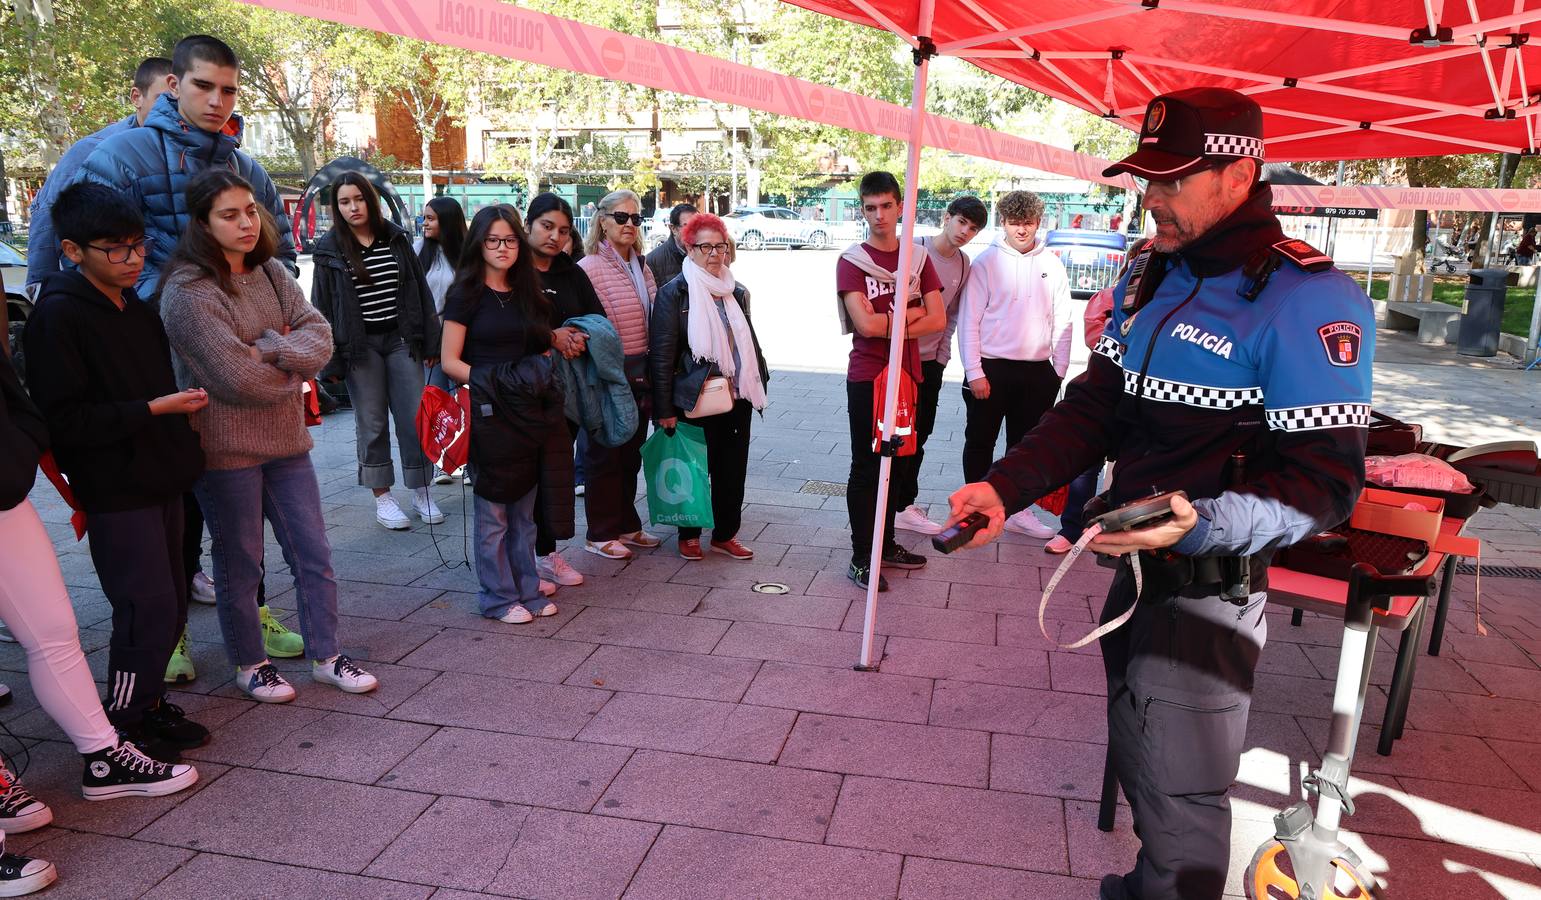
x,y
897,319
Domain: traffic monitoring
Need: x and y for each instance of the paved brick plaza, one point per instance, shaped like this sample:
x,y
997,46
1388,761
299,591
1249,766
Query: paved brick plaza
x,y
673,734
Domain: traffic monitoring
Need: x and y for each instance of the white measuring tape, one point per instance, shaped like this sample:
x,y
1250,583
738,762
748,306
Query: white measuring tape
x,y
1105,628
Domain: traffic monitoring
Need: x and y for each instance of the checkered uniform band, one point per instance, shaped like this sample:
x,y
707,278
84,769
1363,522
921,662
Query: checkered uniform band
x,y
1233,145
1199,395
1316,418
1110,347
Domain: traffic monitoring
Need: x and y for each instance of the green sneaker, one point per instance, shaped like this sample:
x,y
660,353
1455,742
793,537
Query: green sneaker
x,y
278,640
180,667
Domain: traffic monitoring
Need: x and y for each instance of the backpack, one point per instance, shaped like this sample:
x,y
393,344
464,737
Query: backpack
x,y
904,412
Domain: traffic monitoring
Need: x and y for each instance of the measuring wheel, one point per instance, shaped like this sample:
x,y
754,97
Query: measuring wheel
x,y
1271,876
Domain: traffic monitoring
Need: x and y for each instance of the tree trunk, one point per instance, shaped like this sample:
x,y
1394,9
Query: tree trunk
x,y
305,150
1420,238
532,166
427,147
753,164
5,218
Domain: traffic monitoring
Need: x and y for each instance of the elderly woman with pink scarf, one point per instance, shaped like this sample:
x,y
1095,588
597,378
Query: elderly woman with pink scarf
x,y
706,365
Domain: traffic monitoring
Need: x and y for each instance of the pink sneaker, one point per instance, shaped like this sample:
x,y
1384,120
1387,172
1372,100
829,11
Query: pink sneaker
x,y
1058,545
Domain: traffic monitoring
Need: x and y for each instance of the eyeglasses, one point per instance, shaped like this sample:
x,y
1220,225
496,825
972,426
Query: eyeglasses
x,y
622,218
493,243
710,249
1169,188
118,253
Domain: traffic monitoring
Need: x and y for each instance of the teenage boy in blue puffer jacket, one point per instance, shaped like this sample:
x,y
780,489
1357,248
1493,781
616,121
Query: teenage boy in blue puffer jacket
x,y
190,128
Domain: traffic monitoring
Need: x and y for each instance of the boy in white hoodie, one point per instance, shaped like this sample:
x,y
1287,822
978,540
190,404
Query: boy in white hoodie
x,y
1014,335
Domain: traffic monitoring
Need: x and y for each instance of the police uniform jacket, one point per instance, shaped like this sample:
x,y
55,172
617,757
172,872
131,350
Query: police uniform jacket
x,y
1250,343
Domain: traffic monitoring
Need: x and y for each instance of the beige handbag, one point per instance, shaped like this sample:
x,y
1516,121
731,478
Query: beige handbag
x,y
716,398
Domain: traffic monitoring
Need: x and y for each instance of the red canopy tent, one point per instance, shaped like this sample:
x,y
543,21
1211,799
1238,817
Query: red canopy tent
x,y
1337,79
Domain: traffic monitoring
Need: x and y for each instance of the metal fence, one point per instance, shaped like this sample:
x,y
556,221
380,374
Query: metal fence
x,y
1090,268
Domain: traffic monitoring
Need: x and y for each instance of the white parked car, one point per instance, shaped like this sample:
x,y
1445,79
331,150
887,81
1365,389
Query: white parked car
x,y
755,227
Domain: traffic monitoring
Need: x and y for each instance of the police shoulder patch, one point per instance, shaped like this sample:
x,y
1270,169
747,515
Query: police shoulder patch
x,y
1342,341
1303,255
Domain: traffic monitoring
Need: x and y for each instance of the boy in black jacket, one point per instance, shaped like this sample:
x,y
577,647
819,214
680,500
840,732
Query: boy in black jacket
x,y
99,367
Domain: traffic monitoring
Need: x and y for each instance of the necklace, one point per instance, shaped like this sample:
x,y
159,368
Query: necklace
x,y
502,300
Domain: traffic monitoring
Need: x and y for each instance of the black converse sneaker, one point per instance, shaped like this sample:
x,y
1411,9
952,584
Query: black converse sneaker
x,y
170,724
19,810
22,875
123,771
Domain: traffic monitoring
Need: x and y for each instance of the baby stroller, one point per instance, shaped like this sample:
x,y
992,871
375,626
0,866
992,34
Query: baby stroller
x,y
1438,254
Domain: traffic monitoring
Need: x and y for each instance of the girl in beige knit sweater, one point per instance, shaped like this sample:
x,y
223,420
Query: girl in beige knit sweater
x,y
242,330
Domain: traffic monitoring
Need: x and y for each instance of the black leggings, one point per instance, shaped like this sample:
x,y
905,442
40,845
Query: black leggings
x,y
727,461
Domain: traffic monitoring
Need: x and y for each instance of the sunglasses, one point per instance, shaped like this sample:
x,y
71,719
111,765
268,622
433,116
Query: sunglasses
x,y
1170,187
118,253
622,218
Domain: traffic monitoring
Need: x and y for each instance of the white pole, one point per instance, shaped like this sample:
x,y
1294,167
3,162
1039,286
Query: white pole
x,y
1369,273
896,340
1535,319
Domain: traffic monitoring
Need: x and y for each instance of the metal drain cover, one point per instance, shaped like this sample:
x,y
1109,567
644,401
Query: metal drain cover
x,y
823,488
1528,572
770,587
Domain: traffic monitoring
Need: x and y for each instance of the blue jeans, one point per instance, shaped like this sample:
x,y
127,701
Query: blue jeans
x,y
386,384
234,503
505,556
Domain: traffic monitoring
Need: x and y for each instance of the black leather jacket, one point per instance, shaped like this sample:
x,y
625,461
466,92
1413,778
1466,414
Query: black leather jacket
x,y
519,437
676,374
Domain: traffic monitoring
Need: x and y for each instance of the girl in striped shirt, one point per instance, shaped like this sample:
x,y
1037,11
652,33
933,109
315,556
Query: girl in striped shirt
x,y
371,288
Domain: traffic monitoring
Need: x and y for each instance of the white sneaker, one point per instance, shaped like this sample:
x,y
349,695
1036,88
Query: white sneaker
x,y
913,518
640,539
263,683
426,509
203,589
342,673
387,513
548,610
1026,523
578,491
517,615
555,568
547,588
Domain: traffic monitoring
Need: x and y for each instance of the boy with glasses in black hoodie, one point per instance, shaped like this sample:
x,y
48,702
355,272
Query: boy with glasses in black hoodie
x,y
99,368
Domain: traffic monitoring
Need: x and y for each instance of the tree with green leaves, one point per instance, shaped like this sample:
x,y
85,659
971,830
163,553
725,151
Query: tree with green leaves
x,y
433,83
66,75
289,65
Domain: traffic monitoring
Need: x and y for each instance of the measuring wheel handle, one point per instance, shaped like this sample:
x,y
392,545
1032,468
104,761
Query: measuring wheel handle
x,y
1305,859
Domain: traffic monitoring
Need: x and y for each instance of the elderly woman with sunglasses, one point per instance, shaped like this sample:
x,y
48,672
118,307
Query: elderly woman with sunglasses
x,y
702,344
625,287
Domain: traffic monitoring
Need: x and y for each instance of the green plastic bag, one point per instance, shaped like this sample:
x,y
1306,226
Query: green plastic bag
x,y
679,492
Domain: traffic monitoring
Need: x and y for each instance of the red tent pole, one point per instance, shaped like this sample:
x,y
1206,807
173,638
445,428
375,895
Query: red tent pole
x,y
896,340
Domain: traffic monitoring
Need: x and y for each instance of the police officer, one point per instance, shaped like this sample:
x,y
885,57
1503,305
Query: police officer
x,y
1236,368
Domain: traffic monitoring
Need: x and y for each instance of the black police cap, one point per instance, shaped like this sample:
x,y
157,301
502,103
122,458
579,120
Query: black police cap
x,y
1187,131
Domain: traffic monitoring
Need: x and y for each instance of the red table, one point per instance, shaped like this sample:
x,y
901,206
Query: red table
x,y
1316,593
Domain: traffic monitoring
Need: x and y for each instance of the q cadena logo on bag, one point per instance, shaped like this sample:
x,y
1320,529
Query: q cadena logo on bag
x,y
676,484
1341,340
